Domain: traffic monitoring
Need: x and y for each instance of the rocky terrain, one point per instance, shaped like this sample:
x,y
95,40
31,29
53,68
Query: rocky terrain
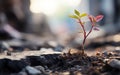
x,y
73,62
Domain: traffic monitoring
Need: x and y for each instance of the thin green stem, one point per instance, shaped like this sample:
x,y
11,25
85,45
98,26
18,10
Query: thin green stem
x,y
89,32
84,33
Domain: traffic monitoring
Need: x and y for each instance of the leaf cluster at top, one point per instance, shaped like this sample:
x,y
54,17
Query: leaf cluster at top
x,y
78,15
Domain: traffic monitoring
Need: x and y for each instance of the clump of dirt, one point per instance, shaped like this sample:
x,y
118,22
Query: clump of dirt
x,y
76,63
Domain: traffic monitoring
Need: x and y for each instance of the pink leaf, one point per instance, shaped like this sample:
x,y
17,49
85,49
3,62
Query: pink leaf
x,y
90,17
98,18
96,29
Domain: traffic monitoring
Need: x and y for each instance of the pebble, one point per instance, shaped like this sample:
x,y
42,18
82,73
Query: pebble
x,y
40,68
114,63
32,70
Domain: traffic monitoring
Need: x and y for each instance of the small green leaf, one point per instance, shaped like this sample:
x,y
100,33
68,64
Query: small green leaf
x,y
76,12
74,16
83,15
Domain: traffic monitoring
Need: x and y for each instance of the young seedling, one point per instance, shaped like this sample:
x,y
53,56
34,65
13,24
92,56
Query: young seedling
x,y
93,20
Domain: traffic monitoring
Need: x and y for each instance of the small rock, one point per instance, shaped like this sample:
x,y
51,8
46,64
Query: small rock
x,y
40,68
32,71
114,63
59,48
5,45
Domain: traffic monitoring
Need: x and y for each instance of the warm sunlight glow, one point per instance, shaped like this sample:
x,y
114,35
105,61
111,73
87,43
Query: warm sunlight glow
x,y
50,7
44,6
73,3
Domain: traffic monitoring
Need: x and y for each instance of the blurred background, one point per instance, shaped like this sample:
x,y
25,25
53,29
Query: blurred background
x,y
35,24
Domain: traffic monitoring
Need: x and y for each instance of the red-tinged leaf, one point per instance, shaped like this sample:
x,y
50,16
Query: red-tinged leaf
x,y
98,18
90,17
96,29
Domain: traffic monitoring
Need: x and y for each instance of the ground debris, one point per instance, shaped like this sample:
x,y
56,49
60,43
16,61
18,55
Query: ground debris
x,y
74,62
